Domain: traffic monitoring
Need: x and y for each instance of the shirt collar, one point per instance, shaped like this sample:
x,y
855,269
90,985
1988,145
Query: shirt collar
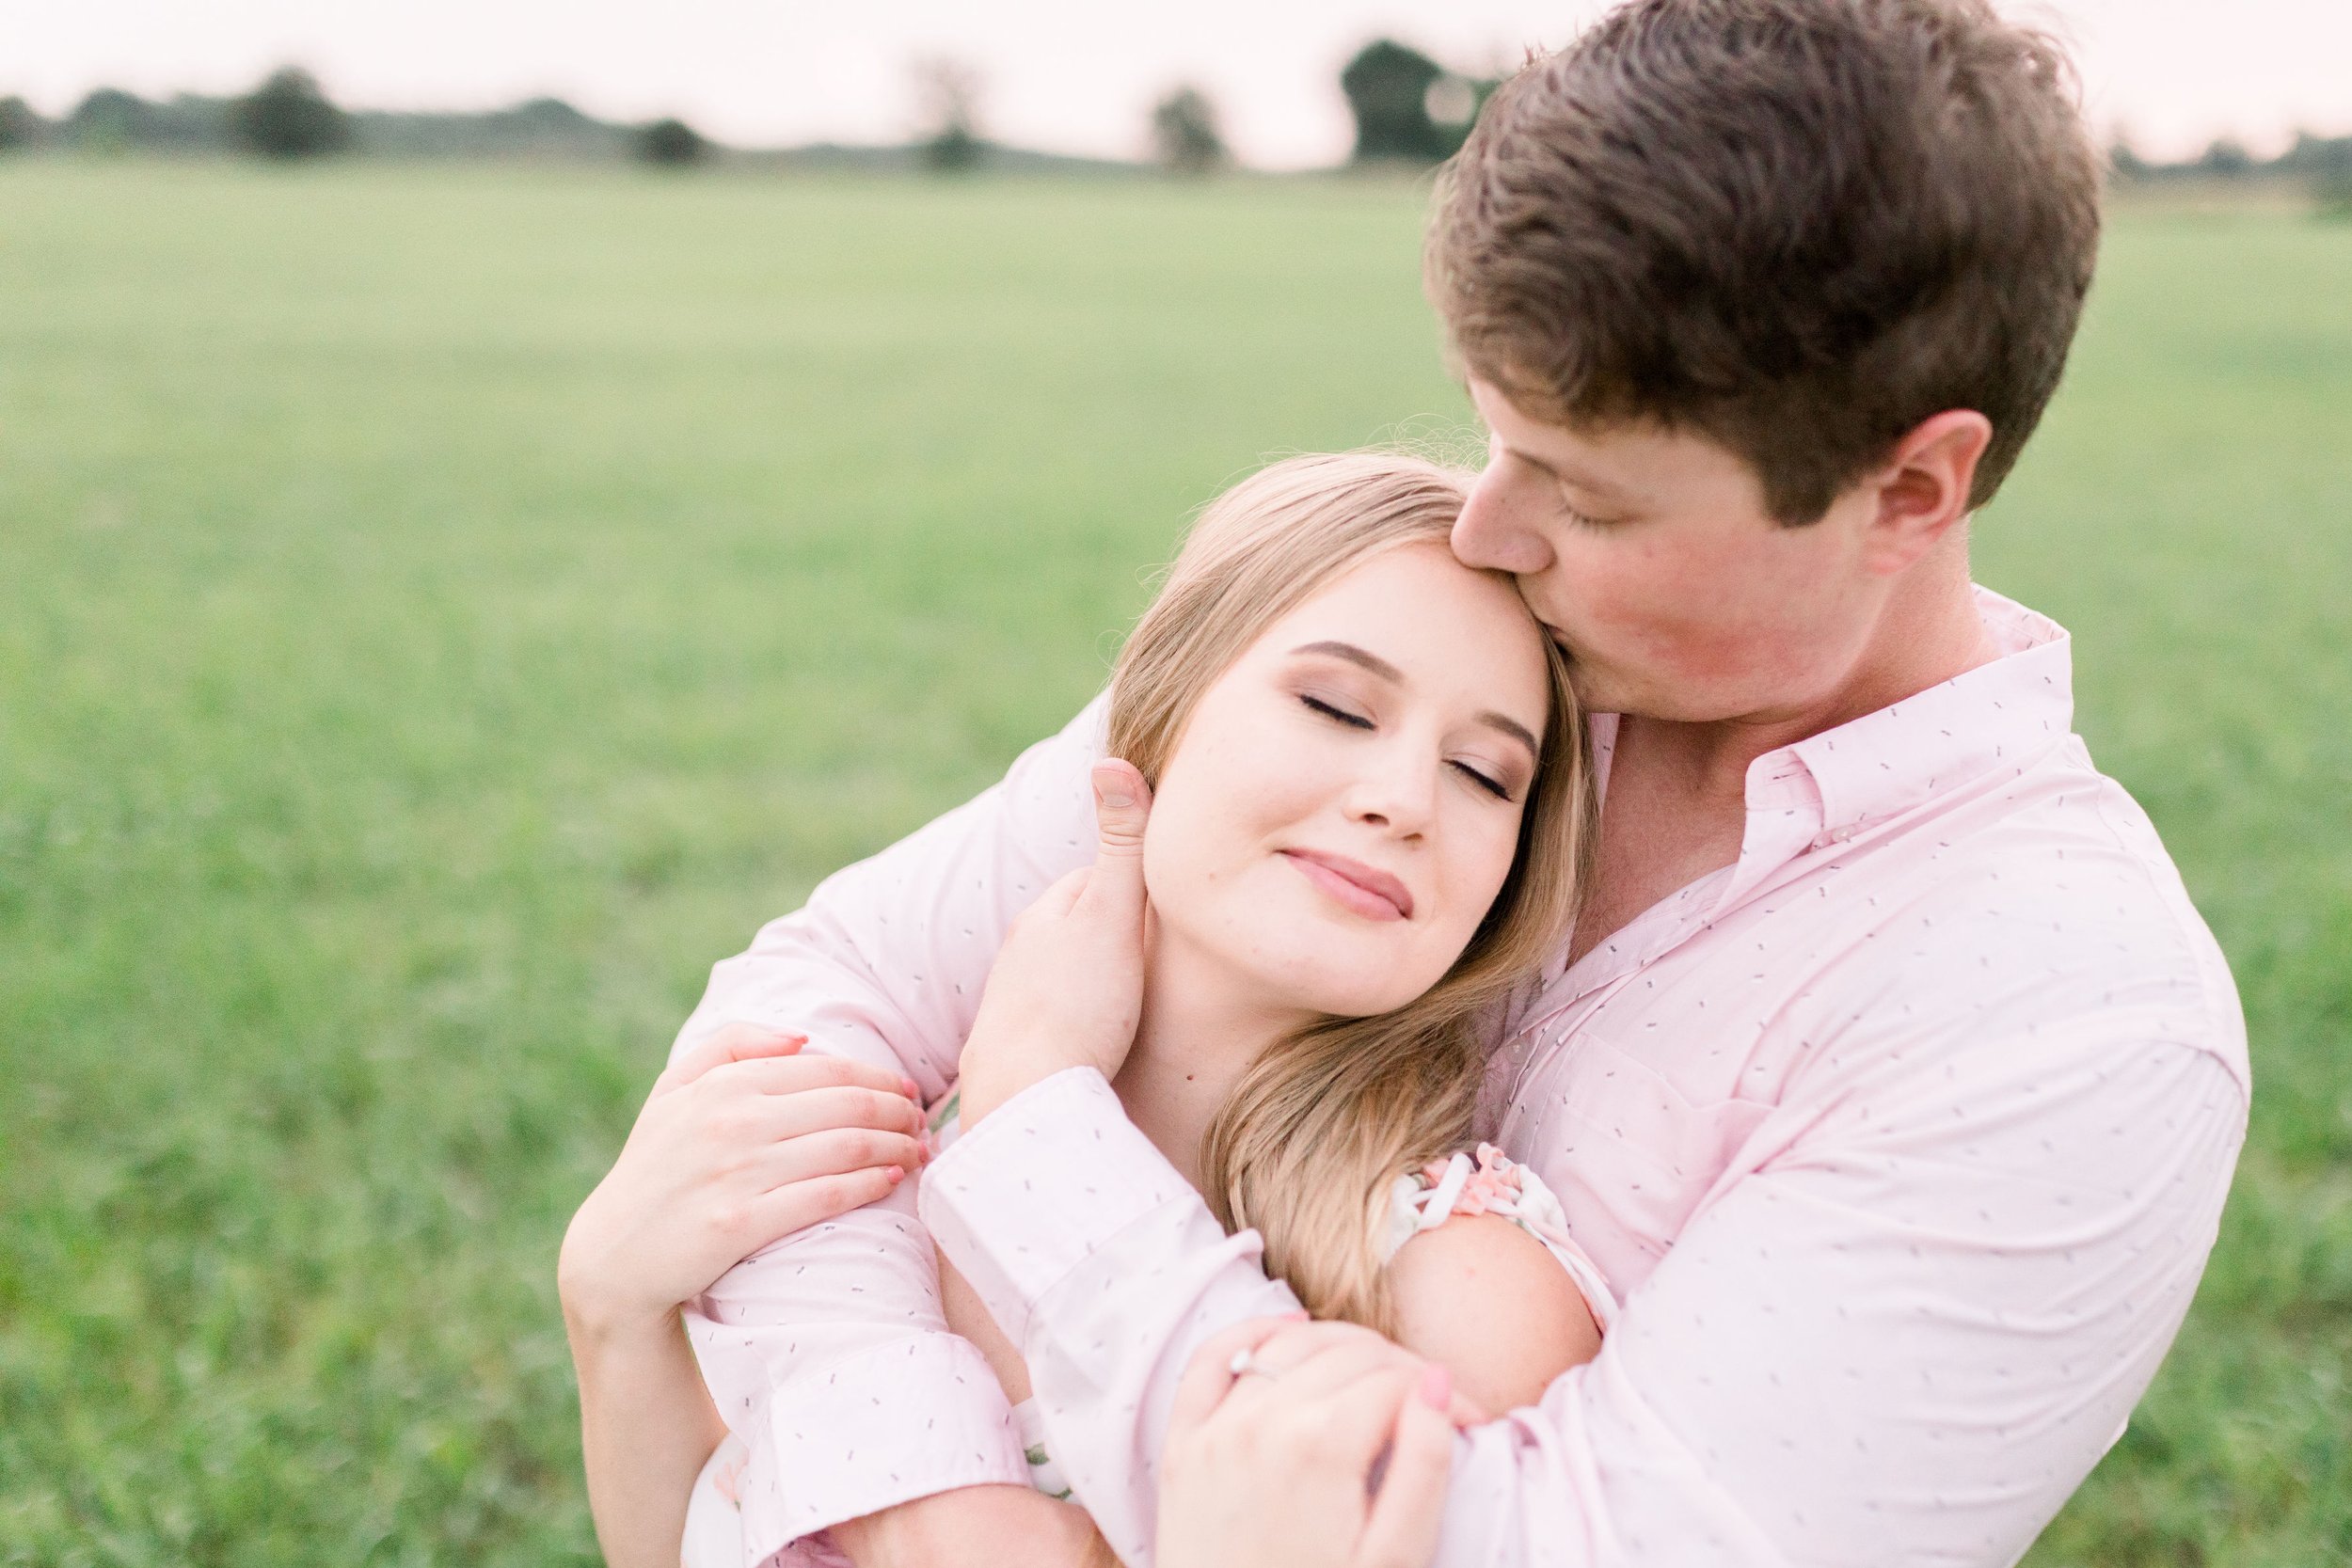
x,y
1830,787
2000,714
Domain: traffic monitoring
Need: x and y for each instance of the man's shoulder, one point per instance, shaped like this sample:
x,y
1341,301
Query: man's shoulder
x,y
2046,903
2066,854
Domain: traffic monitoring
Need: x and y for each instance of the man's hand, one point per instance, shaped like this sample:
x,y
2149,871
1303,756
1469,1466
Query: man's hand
x,y
1068,987
976,1527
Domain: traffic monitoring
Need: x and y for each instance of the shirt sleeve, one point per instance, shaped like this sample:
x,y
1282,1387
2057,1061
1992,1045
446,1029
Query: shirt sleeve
x,y
827,1353
1900,1337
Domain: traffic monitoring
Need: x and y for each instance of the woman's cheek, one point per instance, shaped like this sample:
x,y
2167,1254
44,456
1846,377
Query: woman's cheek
x,y
1484,879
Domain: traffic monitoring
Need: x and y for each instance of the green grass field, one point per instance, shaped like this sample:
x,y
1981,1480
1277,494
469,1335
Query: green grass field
x,y
441,612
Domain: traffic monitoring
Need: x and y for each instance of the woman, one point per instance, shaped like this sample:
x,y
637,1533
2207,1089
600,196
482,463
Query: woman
x,y
1368,806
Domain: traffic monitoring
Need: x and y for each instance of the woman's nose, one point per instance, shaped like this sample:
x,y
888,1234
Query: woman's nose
x,y
1400,796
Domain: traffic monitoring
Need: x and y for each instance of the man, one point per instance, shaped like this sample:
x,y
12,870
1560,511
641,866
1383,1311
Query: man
x,y
1889,1075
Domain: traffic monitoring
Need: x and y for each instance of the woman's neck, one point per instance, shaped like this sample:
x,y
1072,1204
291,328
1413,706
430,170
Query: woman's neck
x,y
1199,1034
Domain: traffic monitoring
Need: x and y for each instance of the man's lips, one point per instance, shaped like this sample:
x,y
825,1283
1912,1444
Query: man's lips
x,y
1370,892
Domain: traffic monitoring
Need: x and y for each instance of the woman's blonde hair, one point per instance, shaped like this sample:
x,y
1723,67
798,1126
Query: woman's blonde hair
x,y
1319,1127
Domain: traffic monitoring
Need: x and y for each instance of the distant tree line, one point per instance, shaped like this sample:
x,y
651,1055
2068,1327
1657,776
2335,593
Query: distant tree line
x,y
2227,158
1408,110
2321,164
290,116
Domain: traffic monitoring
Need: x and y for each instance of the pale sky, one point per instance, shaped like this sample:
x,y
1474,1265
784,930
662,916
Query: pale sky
x,y
1071,75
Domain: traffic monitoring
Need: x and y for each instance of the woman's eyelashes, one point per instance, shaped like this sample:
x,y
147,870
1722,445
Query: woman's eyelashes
x,y
1495,788
1331,710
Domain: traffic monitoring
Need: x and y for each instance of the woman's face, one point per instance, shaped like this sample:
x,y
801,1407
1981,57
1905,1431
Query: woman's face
x,y
1344,802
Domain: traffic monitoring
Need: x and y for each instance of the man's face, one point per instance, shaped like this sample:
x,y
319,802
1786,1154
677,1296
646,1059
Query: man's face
x,y
1652,560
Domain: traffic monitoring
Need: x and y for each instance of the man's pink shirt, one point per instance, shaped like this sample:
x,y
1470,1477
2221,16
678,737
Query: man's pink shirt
x,y
1902,1141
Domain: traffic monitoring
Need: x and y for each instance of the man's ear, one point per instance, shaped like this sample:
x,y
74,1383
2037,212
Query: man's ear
x,y
1921,491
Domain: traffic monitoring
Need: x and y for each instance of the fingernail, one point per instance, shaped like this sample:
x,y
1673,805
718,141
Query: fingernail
x,y
1116,796
1298,1315
896,1175
912,1090
1436,1386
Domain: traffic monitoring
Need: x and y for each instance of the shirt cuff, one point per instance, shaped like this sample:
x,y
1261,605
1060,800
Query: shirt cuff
x,y
872,1431
1039,1186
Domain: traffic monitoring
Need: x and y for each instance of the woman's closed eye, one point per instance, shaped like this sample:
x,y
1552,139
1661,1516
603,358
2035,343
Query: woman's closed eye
x,y
1477,776
1493,786
1332,710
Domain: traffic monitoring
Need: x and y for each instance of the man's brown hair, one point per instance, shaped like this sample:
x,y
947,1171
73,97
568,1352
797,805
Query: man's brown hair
x,y
1798,227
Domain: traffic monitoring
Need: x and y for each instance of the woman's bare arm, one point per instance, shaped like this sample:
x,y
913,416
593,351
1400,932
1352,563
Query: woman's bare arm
x,y
646,1427
1488,1301
967,1315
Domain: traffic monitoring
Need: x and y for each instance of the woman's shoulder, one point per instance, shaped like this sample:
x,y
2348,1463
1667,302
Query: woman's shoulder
x,y
1485,1277
1485,1298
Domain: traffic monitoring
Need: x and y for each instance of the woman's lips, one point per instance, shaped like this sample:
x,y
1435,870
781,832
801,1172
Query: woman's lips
x,y
1375,895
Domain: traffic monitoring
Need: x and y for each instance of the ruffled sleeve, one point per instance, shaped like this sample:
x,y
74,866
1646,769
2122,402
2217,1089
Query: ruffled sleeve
x,y
1493,1183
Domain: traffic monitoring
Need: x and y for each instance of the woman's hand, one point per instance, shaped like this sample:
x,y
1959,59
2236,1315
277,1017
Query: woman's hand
x,y
1067,990
1277,1471
741,1142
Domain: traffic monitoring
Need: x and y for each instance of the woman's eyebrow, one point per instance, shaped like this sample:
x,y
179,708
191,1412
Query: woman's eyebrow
x,y
1513,728
1363,659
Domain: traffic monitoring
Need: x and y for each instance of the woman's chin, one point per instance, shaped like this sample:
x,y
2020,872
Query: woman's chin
x,y
1300,955
1352,991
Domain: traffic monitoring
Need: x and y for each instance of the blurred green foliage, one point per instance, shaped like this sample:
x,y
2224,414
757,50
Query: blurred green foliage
x,y
288,117
673,142
445,611
19,126
1184,134
1407,107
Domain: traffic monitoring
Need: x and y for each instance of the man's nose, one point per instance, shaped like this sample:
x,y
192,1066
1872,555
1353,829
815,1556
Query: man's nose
x,y
1493,531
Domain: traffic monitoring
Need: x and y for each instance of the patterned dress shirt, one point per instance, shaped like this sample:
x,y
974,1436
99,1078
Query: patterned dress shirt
x,y
1902,1141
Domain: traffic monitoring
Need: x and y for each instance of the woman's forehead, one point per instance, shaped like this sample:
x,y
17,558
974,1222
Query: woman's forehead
x,y
1432,621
